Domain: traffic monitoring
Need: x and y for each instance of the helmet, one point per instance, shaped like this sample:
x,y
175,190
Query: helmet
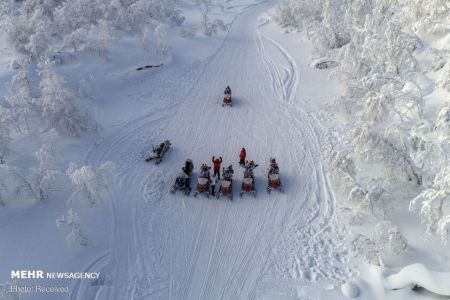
x,y
272,160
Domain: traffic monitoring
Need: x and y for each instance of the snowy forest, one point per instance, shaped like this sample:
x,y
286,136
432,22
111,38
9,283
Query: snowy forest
x,y
351,92
393,102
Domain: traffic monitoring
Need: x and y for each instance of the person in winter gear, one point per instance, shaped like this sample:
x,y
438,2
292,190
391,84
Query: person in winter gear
x,y
249,167
188,167
182,178
273,168
204,173
242,156
227,91
228,173
213,184
159,150
217,163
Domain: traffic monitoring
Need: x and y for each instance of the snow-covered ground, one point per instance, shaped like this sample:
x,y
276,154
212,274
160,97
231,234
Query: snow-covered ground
x,y
150,244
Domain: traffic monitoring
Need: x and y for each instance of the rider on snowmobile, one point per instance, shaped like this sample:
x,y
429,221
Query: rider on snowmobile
x,y
249,167
228,173
159,150
273,168
182,177
204,171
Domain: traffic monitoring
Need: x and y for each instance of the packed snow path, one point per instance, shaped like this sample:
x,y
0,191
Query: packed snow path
x,y
169,246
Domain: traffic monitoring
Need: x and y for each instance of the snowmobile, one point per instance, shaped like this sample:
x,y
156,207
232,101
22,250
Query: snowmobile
x,y
158,152
203,182
274,183
226,185
202,186
227,100
183,180
273,177
248,184
227,97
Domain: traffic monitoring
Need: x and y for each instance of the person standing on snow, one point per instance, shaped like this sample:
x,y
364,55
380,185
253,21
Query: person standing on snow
x,y
217,163
213,184
242,157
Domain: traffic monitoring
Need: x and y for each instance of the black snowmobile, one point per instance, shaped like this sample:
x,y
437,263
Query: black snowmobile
x,y
159,152
183,180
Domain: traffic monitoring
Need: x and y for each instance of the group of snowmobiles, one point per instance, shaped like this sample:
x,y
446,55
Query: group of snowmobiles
x,y
206,181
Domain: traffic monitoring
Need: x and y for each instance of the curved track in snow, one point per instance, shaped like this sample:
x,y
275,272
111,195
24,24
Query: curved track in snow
x,y
166,246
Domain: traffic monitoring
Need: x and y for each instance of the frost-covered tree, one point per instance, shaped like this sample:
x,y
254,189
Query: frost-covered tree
x,y
90,184
364,247
43,176
160,34
11,183
433,205
443,119
207,27
343,168
58,106
388,237
371,201
6,121
374,146
71,227
21,99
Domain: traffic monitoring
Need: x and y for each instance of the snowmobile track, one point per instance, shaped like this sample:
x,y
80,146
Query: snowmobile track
x,y
171,246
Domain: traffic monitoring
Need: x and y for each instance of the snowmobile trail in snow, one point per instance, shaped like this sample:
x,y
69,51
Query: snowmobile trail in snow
x,y
169,246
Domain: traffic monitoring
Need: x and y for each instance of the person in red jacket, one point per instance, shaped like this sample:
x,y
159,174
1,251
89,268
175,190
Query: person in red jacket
x,y
217,163
242,156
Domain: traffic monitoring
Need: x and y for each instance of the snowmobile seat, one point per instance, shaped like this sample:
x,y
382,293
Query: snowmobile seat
x,y
248,181
226,183
202,181
274,177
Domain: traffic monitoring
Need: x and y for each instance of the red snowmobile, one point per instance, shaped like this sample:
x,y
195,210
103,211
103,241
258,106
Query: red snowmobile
x,y
226,185
203,182
248,184
273,177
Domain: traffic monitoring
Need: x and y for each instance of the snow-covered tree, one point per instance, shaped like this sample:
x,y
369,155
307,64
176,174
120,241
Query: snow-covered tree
x,y
69,223
6,121
160,34
58,106
21,99
374,146
371,201
433,205
388,237
43,176
443,119
90,183
343,168
207,27
364,247
10,183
